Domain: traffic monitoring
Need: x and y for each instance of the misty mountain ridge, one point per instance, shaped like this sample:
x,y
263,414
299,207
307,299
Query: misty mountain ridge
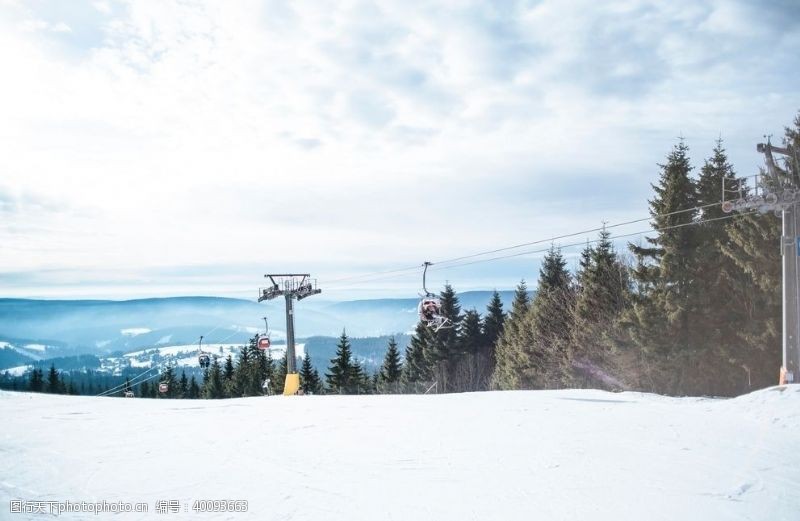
x,y
73,327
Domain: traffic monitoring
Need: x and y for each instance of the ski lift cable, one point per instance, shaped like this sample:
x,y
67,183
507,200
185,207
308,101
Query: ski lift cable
x,y
110,392
334,281
634,234
119,387
414,269
566,236
530,252
151,377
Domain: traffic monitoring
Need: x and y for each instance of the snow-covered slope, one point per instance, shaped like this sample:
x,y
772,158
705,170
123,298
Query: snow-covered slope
x,y
558,455
186,355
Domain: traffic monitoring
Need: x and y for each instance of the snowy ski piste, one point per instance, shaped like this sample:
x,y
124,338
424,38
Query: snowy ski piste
x,y
525,455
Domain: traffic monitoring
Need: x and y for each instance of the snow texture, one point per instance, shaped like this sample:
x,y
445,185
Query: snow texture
x,y
17,371
134,331
549,455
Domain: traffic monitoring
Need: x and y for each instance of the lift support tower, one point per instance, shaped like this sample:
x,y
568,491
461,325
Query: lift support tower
x,y
291,286
778,190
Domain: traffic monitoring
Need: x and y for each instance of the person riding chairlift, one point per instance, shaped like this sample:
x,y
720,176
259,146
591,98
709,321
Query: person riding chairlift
x,y
429,310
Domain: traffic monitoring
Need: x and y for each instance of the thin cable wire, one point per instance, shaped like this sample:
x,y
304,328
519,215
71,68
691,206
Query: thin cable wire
x,y
152,377
531,252
334,281
588,241
379,274
119,387
566,236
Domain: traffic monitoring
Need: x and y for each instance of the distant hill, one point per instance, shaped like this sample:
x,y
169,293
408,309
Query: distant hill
x,y
73,327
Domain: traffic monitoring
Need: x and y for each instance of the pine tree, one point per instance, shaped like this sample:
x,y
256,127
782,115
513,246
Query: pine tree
x,y
470,335
213,386
665,272
415,368
144,389
545,355
183,386
713,365
603,294
388,377
493,326
36,383
340,378
508,351
474,369
229,383
360,378
309,378
53,384
194,389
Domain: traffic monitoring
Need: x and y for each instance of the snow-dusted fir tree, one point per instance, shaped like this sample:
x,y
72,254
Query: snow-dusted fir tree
x,y
309,377
52,380
340,376
213,384
388,378
183,386
493,324
229,380
415,367
603,294
545,354
666,296
194,389
507,353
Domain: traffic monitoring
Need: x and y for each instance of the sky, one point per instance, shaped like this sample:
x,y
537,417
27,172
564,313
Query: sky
x,y
156,148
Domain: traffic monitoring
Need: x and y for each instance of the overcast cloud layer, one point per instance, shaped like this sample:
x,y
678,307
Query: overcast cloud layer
x,y
160,147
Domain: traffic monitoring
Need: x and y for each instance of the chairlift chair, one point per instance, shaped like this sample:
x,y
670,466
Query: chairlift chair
x,y
203,358
430,307
263,342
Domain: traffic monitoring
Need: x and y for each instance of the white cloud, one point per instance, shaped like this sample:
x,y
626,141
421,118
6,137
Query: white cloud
x,y
205,133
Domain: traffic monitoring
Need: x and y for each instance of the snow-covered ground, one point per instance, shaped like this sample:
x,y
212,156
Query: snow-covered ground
x,y
17,371
555,455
